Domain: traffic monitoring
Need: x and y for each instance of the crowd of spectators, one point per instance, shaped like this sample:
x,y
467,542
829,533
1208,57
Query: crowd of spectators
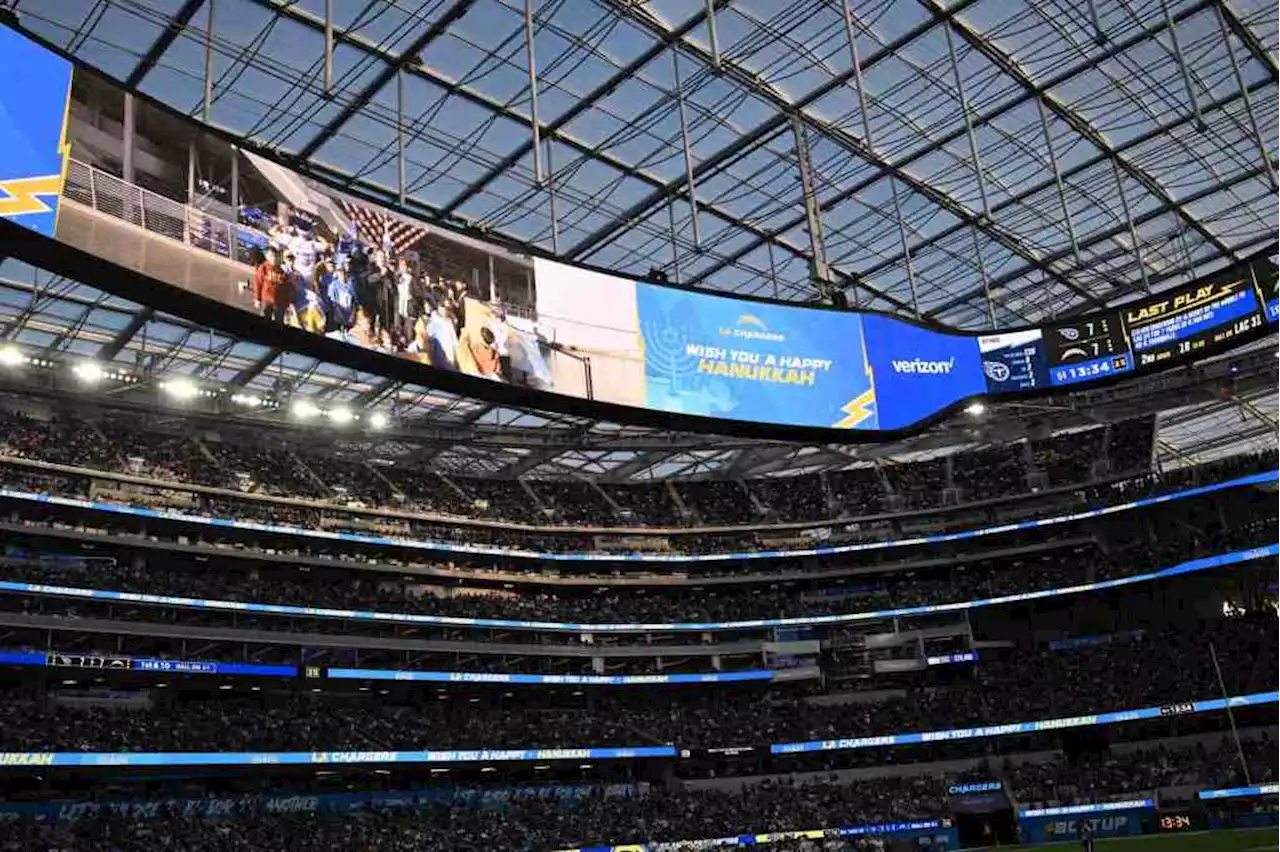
x,y
549,819
974,577
379,293
272,464
1160,668
538,822
338,519
1097,776
1179,530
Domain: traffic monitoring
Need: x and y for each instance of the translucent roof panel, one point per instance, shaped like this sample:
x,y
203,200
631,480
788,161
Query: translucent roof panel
x,y
984,163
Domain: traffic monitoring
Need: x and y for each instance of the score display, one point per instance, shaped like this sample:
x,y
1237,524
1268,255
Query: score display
x,y
1087,349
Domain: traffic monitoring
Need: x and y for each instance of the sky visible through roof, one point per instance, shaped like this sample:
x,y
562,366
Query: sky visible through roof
x,y
1000,163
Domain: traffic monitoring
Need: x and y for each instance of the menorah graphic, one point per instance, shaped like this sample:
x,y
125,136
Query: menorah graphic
x,y
667,359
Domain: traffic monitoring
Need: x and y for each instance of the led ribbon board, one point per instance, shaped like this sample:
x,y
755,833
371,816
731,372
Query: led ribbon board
x,y
1013,728
1237,792
899,829
323,758
1091,808
551,556
329,758
118,663
564,680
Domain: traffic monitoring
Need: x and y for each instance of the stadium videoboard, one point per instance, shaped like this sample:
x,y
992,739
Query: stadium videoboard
x,y
356,273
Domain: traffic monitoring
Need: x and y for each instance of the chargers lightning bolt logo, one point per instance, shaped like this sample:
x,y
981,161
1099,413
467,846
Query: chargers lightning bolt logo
x,y
858,409
23,195
863,406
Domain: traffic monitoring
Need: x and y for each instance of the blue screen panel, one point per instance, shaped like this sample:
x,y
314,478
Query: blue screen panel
x,y
720,357
324,758
529,679
919,371
34,88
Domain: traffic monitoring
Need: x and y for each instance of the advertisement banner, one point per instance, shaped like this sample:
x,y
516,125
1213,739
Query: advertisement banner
x,y
1118,822
721,357
918,371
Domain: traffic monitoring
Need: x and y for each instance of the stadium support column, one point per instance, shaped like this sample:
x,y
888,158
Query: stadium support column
x,y
688,152
1231,716
1182,67
235,180
675,243
712,37
818,262
191,172
533,92
1057,177
400,135
1133,229
127,141
869,142
328,47
551,200
977,170
906,250
847,8
208,63
1244,96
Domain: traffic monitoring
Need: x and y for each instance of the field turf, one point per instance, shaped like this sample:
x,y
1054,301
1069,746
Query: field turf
x,y
1237,840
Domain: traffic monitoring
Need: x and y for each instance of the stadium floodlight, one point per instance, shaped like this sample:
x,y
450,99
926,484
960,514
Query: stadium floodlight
x,y
304,409
248,400
11,356
340,416
379,420
181,388
89,372
975,409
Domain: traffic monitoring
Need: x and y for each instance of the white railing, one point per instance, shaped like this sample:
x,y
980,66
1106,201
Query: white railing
x,y
108,194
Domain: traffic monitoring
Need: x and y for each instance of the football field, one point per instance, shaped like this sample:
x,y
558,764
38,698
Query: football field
x,y
1236,840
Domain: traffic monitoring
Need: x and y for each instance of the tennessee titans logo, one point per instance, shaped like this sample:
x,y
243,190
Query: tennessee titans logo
x,y
996,371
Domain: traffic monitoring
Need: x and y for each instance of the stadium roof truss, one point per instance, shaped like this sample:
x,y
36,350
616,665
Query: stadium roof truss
x,y
983,163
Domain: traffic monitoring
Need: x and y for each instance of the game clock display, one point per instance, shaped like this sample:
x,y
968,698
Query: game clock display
x,y
1173,822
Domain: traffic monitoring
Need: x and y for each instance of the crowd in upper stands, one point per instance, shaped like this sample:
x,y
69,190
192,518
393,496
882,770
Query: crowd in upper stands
x,y
344,473
1176,531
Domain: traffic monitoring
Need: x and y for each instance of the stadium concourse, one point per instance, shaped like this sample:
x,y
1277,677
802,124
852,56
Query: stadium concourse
x,y
609,426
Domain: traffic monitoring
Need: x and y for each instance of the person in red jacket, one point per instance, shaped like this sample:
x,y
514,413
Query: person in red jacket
x,y
270,288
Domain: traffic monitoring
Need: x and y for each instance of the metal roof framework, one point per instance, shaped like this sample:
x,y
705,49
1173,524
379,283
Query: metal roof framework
x,y
983,163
